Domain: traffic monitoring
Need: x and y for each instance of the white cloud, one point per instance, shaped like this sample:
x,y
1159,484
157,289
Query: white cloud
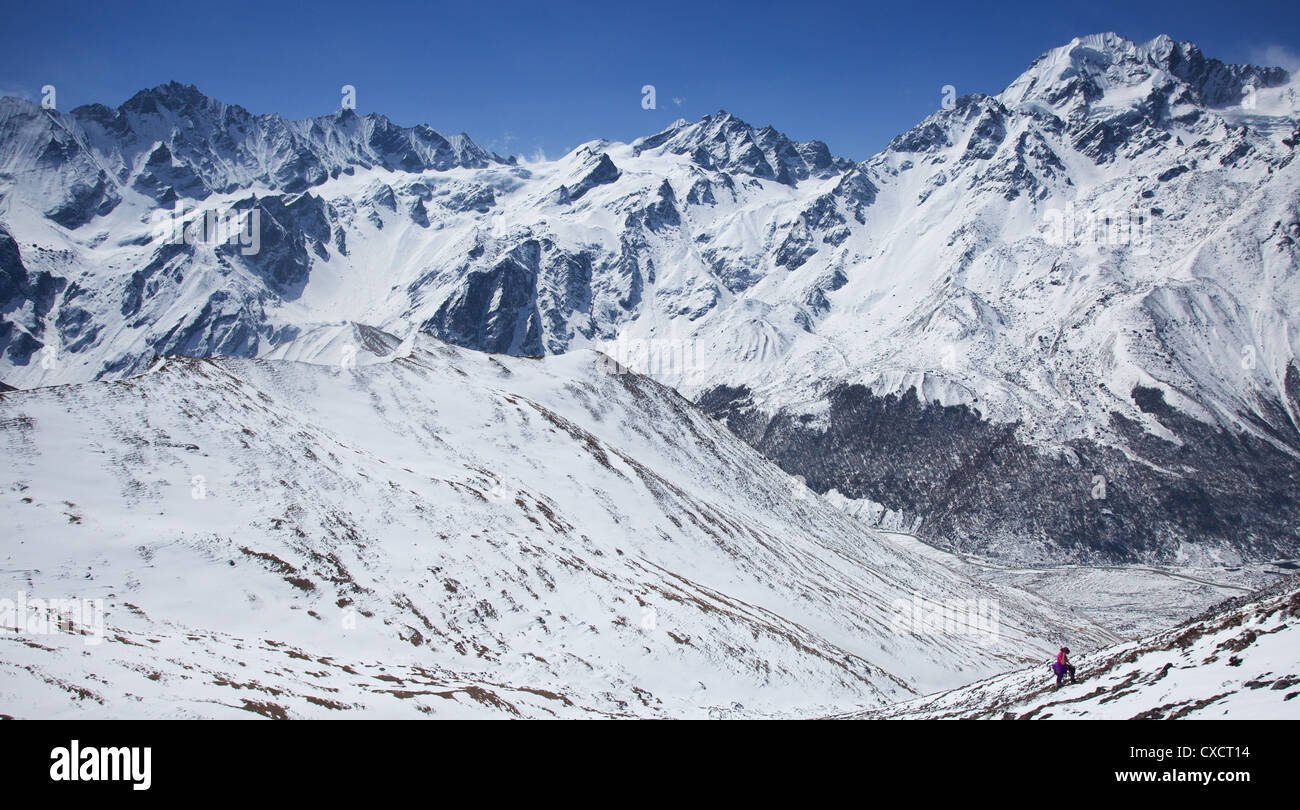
x,y
1276,56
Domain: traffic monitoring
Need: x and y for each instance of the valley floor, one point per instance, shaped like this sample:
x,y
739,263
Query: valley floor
x,y
1128,600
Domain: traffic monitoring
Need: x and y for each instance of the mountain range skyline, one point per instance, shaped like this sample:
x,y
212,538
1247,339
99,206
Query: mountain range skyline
x,y
853,81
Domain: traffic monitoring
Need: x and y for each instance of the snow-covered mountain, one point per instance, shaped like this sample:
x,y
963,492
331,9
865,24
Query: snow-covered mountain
x,y
1236,661
425,529
1057,323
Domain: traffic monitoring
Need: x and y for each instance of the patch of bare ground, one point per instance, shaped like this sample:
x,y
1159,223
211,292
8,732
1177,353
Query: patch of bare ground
x,y
546,694
1029,715
1175,711
266,709
483,696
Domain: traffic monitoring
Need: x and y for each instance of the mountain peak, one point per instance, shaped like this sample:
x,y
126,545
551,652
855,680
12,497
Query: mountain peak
x,y
1070,78
172,95
724,142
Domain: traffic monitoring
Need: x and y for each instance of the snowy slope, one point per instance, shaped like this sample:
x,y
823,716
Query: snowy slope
x,y
1090,274
434,530
1236,661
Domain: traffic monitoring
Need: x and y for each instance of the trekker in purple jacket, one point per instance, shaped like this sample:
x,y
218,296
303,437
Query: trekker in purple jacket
x,y
1063,666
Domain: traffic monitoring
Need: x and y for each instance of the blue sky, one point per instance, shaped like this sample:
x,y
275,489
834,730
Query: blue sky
x,y
519,77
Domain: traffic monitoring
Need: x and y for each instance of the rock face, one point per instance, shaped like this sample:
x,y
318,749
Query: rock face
x,y
496,309
1091,274
975,486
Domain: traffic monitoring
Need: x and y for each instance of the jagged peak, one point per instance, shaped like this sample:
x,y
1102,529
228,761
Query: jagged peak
x,y
1096,75
1083,69
175,97
186,99
708,126
726,142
